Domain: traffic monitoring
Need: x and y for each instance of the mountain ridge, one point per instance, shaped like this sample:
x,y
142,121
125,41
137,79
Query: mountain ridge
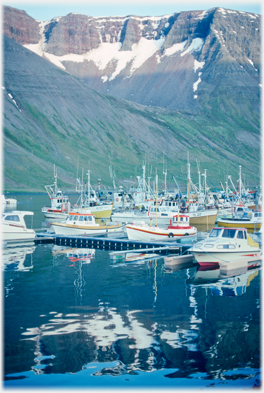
x,y
53,116
127,56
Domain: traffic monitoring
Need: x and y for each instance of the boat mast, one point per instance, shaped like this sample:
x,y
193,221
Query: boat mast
x,y
205,195
189,181
156,220
55,181
89,186
165,184
240,183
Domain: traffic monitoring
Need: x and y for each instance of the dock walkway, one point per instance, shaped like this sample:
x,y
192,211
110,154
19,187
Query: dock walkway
x,y
108,243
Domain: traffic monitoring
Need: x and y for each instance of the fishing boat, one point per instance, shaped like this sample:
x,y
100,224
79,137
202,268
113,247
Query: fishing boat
x,y
59,203
199,211
88,201
162,214
14,227
226,245
242,218
83,224
179,227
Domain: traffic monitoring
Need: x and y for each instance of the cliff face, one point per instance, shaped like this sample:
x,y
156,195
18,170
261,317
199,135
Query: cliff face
x,y
176,61
20,27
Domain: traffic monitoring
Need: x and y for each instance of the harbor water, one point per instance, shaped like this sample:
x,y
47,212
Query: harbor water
x,y
74,319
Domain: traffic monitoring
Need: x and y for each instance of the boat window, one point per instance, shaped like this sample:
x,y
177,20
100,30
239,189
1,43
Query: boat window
x,y
226,246
81,218
76,218
229,233
12,218
215,232
90,218
240,235
245,235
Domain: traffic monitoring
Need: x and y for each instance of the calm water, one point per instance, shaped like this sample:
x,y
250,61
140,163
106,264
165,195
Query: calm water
x,y
74,320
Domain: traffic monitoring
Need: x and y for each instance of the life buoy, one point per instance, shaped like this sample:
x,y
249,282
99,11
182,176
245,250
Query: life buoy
x,y
117,199
171,234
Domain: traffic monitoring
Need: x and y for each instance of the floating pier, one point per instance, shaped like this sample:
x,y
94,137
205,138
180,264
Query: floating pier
x,y
114,244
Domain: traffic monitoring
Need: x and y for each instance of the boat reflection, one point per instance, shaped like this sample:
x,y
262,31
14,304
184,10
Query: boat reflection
x,y
224,283
14,257
85,255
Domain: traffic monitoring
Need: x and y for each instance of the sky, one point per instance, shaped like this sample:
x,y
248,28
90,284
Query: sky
x,y
46,10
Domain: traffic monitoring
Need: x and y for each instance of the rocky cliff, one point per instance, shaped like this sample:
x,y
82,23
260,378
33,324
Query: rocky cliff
x,y
178,61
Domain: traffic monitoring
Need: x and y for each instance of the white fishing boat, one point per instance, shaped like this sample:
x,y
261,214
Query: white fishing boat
x,y
83,224
200,212
225,245
14,227
59,204
88,201
163,214
178,229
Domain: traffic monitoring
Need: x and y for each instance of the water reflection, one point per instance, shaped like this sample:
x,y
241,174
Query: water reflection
x,y
13,257
220,284
86,315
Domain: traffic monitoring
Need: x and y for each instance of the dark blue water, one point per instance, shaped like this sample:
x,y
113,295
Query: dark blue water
x,y
74,320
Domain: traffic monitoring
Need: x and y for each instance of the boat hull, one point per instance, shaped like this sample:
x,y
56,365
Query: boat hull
x,y
212,259
17,234
133,218
238,223
144,232
101,211
72,230
203,217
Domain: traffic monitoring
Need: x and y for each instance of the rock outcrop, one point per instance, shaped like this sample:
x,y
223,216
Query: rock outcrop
x,y
177,61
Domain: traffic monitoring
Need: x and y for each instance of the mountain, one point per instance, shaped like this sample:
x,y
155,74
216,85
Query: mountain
x,y
180,61
52,115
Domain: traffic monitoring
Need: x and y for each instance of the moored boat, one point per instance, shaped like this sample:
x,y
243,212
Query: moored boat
x,y
162,214
59,203
83,224
14,227
177,229
244,218
225,245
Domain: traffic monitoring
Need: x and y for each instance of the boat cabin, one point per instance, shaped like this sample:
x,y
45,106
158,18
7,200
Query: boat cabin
x,y
161,211
16,218
180,220
228,233
81,219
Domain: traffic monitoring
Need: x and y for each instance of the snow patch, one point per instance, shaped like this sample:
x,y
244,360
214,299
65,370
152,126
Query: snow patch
x,y
251,62
195,85
12,98
196,46
175,48
198,64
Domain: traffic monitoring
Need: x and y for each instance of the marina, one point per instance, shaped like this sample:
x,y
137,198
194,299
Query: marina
x,y
108,310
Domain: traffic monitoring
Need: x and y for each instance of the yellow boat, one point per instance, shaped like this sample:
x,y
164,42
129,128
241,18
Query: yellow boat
x,y
252,221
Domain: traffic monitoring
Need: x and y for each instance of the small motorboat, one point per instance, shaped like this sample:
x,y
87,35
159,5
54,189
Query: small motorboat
x,y
226,245
83,224
14,227
179,227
